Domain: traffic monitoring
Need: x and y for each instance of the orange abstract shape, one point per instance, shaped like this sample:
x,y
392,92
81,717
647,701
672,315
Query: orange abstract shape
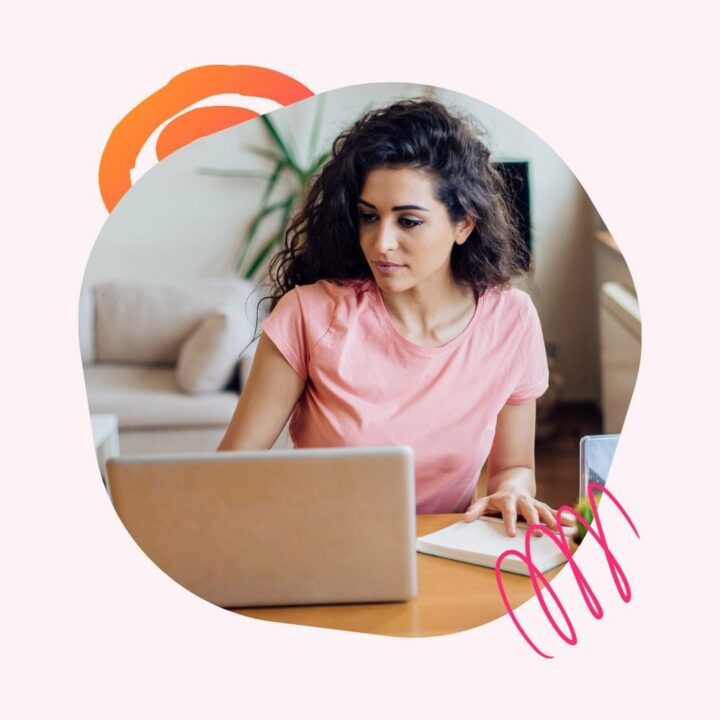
x,y
184,90
198,123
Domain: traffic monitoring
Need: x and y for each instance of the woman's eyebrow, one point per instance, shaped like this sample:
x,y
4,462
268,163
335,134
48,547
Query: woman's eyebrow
x,y
396,208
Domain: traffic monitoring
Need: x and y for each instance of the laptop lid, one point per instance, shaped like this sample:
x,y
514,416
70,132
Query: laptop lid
x,y
292,527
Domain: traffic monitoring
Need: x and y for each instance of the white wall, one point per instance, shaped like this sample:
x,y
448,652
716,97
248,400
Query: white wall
x,y
176,223
562,219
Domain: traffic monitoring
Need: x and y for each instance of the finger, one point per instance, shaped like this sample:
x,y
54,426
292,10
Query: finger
x,y
510,517
567,518
547,515
478,508
527,508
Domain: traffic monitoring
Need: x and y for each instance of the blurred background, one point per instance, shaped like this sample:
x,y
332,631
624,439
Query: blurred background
x,y
189,242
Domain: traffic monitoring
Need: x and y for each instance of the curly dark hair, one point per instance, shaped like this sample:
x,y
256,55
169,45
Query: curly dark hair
x,y
322,239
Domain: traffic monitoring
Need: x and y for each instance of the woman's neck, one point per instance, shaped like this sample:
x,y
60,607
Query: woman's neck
x,y
431,315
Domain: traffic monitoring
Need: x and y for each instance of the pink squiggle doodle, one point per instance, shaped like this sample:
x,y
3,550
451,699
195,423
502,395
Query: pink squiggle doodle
x,y
536,577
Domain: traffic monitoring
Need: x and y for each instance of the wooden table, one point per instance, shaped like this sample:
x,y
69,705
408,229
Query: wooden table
x,y
452,596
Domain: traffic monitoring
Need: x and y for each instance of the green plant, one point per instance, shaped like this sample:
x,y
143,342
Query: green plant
x,y
584,509
286,173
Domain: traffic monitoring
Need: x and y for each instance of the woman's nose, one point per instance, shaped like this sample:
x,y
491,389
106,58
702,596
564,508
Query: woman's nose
x,y
385,237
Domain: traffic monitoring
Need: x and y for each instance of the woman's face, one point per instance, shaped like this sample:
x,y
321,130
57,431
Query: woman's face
x,y
406,234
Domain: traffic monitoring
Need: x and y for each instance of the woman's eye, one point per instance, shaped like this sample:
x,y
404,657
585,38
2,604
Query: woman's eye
x,y
366,217
410,222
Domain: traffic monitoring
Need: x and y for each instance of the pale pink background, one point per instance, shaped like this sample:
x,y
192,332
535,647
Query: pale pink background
x,y
90,628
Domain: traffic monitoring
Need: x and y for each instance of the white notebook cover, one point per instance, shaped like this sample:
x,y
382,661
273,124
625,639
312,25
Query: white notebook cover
x,y
482,541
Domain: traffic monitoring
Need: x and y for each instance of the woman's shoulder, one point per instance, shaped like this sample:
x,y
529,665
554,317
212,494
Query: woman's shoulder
x,y
320,303
332,292
509,297
508,304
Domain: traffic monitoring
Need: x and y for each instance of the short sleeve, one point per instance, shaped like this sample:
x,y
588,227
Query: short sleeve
x,y
286,328
533,376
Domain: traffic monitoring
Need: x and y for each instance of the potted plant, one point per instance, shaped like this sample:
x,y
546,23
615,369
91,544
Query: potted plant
x,y
286,172
583,508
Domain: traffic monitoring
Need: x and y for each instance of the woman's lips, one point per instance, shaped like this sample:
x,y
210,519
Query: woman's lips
x,y
386,268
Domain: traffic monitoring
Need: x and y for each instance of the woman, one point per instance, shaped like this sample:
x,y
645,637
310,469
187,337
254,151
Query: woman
x,y
392,321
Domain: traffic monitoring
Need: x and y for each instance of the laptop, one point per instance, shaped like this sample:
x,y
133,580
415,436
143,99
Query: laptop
x,y
289,527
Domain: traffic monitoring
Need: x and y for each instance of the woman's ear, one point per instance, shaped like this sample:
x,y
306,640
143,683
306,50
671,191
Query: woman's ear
x,y
463,229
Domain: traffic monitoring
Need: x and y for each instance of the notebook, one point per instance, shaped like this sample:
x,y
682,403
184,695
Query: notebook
x,y
482,541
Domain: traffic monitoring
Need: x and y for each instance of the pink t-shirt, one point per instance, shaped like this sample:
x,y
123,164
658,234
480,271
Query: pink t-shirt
x,y
367,385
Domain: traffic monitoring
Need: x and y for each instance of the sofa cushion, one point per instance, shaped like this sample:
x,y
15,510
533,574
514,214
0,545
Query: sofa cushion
x,y
149,397
210,354
149,323
87,325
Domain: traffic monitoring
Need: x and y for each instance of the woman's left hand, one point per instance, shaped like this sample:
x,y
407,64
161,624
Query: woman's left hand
x,y
512,501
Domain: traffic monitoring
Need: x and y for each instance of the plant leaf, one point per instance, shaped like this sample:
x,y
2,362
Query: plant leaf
x,y
264,212
267,153
275,240
272,181
281,144
319,162
316,124
219,172
263,254
252,254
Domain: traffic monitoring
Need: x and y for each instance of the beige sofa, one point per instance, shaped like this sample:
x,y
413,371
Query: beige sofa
x,y
164,359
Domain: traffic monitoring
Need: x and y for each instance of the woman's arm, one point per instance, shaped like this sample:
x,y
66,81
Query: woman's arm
x,y
511,472
266,402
